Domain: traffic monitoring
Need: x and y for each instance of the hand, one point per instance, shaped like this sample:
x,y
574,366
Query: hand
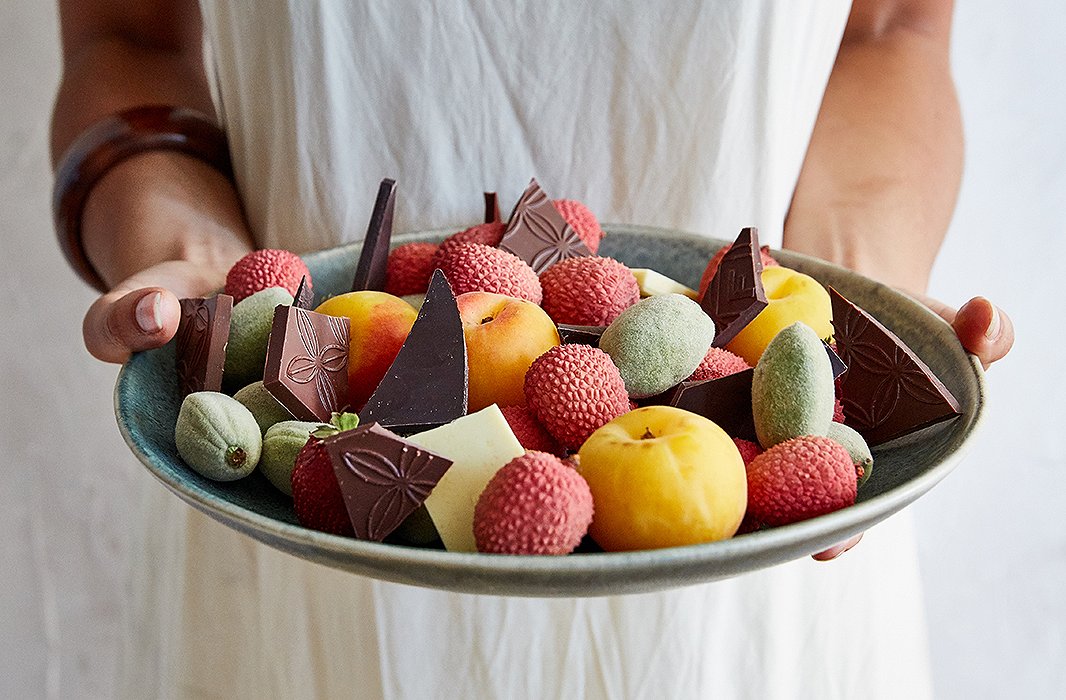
x,y
142,312
983,330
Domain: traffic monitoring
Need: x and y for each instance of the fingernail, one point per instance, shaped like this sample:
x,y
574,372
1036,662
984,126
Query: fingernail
x,y
149,313
995,325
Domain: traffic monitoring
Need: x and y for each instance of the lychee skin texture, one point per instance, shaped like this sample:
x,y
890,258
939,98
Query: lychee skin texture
x,y
748,450
712,266
535,504
588,291
582,220
472,267
530,433
573,390
261,269
316,494
409,268
718,363
489,234
799,479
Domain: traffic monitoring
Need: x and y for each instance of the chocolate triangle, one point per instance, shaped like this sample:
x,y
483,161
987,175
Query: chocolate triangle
x,y
304,298
735,294
539,234
835,362
383,478
203,332
726,401
426,386
492,208
370,271
887,391
570,334
306,366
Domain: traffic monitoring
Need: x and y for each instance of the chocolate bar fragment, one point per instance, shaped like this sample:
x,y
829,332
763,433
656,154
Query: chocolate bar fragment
x,y
203,332
382,477
726,401
426,386
538,233
735,294
370,271
304,297
837,364
492,208
887,391
307,363
570,334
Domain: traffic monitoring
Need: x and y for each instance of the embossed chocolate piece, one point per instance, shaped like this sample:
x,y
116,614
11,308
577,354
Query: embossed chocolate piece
x,y
307,363
370,271
304,297
570,334
203,332
726,401
426,386
887,391
735,294
492,208
837,364
383,477
538,233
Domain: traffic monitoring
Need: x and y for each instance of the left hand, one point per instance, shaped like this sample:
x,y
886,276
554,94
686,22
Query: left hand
x,y
984,330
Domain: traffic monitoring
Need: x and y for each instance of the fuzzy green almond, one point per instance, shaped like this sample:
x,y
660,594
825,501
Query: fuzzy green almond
x,y
856,446
658,342
792,392
283,441
267,410
217,436
249,330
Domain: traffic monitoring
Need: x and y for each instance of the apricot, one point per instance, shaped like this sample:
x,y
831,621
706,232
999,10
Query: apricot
x,y
663,477
379,324
792,296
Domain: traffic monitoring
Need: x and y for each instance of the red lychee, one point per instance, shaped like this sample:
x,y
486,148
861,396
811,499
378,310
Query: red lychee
x,y
712,266
588,291
799,479
530,433
486,234
473,267
718,363
748,449
265,268
409,268
582,220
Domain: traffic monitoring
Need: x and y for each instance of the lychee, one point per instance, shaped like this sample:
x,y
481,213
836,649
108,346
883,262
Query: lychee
x,y
799,479
748,449
266,268
473,267
535,504
530,433
712,266
488,234
588,291
718,363
573,390
582,220
409,268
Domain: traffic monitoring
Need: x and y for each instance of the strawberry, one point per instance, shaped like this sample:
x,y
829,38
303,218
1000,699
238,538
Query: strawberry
x,y
315,492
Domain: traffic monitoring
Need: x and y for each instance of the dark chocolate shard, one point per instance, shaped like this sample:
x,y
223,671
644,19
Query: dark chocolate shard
x,y
726,401
735,294
370,271
304,297
492,208
538,233
570,334
426,386
203,332
887,391
307,363
383,478
837,364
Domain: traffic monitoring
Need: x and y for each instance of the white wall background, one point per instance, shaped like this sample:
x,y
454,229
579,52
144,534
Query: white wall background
x,y
993,534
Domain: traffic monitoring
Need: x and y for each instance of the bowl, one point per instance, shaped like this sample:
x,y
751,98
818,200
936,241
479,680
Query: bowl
x,y
147,402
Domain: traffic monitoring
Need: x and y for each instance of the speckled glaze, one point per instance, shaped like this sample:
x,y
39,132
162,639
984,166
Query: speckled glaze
x,y
147,402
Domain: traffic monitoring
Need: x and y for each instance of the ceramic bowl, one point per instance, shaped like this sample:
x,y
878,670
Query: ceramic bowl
x,y
147,402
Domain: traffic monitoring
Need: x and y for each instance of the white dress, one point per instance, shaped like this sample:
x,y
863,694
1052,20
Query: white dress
x,y
693,115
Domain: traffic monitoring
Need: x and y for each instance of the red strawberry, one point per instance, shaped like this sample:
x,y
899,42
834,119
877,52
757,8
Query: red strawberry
x,y
315,492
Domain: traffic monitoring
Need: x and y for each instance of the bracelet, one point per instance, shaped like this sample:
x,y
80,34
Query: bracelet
x,y
112,140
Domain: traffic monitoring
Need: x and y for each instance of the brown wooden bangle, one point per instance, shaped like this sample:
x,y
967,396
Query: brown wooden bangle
x,y
112,140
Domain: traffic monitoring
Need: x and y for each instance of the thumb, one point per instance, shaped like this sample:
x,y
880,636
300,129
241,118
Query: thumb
x,y
120,323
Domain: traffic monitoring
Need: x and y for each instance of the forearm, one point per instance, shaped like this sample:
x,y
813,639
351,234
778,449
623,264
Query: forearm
x,y
879,184
161,205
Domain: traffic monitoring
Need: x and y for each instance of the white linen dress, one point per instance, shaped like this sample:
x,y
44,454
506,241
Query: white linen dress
x,y
692,115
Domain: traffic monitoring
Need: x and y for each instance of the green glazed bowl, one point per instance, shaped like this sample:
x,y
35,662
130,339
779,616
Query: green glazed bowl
x,y
147,402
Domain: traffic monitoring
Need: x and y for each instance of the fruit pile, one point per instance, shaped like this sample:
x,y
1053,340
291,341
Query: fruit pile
x,y
510,391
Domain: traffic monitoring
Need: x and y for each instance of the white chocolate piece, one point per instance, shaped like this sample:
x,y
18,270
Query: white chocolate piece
x,y
478,445
652,284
